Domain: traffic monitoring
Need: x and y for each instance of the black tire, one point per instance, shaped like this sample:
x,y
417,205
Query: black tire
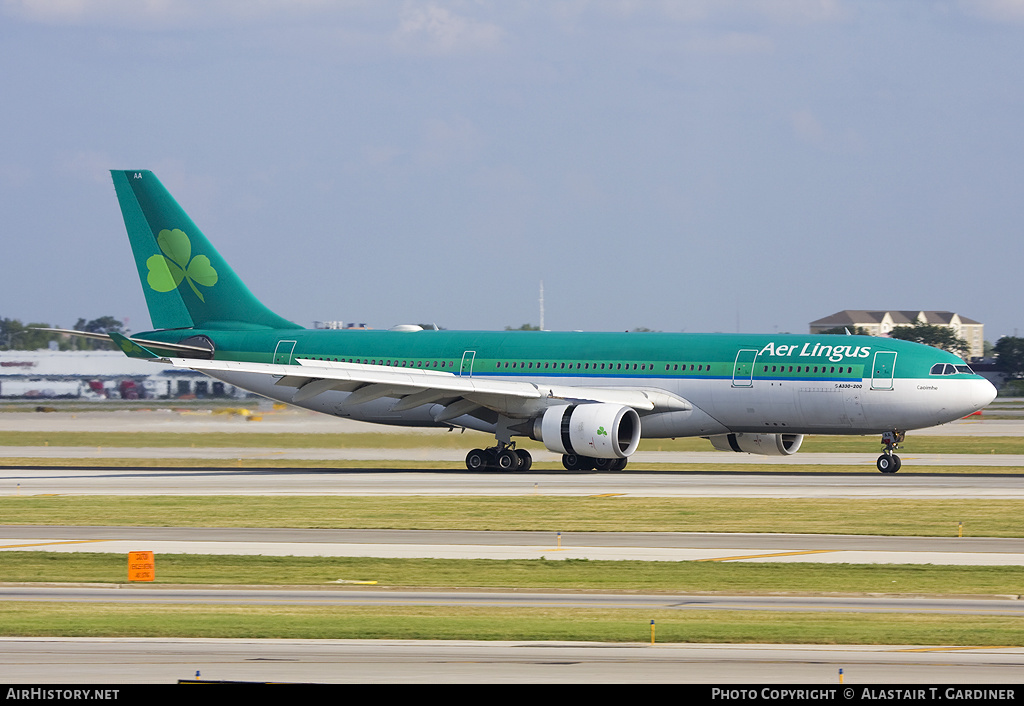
x,y
507,460
887,463
571,462
477,460
618,464
525,460
603,464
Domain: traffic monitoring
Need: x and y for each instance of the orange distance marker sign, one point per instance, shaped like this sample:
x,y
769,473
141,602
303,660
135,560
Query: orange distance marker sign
x,y
141,566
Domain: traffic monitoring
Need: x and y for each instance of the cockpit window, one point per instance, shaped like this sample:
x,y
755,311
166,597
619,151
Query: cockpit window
x,y
948,369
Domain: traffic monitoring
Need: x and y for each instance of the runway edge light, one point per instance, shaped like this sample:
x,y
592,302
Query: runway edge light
x,y
141,566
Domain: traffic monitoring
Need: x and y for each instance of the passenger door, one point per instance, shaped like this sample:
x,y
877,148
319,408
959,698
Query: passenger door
x,y
882,370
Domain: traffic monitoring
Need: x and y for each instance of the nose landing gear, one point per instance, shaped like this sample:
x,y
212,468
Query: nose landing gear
x,y
889,462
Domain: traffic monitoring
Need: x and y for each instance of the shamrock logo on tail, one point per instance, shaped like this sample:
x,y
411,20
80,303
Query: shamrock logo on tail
x,y
176,264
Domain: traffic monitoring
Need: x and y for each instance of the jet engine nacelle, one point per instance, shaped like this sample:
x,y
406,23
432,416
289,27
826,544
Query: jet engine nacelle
x,y
598,430
763,444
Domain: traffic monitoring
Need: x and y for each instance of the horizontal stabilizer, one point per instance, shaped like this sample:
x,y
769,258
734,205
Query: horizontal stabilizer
x,y
131,348
108,337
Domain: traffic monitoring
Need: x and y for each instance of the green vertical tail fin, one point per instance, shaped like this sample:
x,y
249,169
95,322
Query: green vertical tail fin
x,y
186,282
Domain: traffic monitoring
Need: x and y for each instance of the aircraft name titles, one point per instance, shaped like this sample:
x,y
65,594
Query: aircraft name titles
x,y
833,353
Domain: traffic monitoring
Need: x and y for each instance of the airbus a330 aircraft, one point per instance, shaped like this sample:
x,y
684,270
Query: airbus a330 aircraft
x,y
587,396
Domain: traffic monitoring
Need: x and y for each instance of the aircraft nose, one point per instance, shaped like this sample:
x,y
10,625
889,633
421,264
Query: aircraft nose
x,y
982,393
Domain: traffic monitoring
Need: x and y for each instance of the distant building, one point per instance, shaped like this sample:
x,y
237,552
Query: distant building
x,y
100,374
881,323
336,325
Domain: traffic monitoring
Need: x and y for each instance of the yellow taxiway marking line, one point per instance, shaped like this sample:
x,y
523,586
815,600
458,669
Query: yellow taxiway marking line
x,y
765,556
50,544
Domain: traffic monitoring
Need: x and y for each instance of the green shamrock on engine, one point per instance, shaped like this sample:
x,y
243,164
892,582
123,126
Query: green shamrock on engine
x,y
601,431
176,264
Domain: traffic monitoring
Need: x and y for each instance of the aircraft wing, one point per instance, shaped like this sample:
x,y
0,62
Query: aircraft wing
x,y
414,387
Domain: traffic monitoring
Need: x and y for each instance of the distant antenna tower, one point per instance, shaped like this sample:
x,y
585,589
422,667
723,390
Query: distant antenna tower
x,y
542,305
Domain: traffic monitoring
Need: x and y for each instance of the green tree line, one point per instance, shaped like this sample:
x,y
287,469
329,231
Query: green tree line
x,y
18,336
938,336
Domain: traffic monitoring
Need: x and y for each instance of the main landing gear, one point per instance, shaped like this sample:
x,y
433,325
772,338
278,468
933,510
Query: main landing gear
x,y
574,462
503,457
889,462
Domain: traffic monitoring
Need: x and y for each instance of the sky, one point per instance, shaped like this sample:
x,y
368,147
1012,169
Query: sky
x,y
711,165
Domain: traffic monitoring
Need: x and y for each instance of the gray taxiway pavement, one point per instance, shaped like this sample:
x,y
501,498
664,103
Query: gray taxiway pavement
x,y
328,596
635,546
639,460
293,421
165,660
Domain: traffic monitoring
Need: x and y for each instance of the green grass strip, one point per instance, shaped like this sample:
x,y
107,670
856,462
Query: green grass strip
x,y
546,574
260,440
469,623
874,516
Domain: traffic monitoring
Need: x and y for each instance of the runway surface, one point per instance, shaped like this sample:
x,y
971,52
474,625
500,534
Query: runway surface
x,y
634,546
338,597
139,660
313,425
638,461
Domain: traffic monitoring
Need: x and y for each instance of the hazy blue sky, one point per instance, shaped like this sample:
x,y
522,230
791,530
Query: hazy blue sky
x,y
684,166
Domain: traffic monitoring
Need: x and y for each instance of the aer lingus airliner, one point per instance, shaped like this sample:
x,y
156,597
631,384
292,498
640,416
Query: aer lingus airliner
x,y
587,396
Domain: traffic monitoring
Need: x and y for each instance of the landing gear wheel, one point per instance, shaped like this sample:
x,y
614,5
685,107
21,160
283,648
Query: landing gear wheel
x,y
577,462
507,460
618,464
888,463
525,460
476,460
604,464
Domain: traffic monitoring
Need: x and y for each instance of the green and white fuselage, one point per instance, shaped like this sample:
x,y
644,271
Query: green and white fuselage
x,y
735,382
590,395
